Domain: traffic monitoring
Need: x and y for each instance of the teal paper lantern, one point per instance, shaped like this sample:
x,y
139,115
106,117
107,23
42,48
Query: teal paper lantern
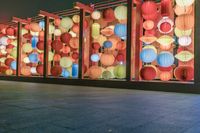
x,y
107,44
13,65
120,30
165,59
148,55
42,24
34,41
65,73
75,70
95,58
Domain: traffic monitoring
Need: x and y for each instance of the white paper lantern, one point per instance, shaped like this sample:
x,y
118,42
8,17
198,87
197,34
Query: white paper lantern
x,y
26,60
33,70
121,12
57,32
4,40
66,23
185,41
96,15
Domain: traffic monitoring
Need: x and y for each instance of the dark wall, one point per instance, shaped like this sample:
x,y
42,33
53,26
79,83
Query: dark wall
x,y
29,8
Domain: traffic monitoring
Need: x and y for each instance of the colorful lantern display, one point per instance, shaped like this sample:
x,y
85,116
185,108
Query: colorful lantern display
x,y
165,59
121,12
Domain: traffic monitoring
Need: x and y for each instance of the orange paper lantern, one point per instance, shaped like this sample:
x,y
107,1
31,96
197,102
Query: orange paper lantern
x,y
185,22
94,72
107,59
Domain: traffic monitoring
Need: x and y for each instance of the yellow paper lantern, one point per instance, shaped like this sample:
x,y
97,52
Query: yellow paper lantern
x,y
184,3
184,56
165,40
26,71
66,62
95,30
9,72
76,19
27,48
121,12
14,53
111,70
148,39
67,23
180,33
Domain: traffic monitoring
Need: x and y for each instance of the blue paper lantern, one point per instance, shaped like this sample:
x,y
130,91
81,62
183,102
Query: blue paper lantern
x,y
65,73
42,24
13,65
107,44
34,41
95,57
75,70
165,59
120,30
148,55
33,58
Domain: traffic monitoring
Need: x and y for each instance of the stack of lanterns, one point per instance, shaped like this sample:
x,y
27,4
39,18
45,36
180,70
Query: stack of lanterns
x,y
8,50
32,51
64,49
109,33
184,32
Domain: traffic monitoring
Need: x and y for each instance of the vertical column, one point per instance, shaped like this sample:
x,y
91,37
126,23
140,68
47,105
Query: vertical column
x,y
129,40
81,47
19,41
138,43
46,48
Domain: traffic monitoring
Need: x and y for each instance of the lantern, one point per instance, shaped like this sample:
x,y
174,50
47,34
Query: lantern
x,y
51,55
185,22
165,76
4,40
121,45
109,15
121,12
14,53
96,15
153,16
75,70
94,72
56,71
40,45
33,58
166,69
111,70
65,73
108,31
106,75
57,32
13,65
114,40
57,22
149,7
10,31
27,48
101,39
75,28
66,62
66,23
148,39
165,40
148,25
96,46
95,57
107,44
33,70
34,41
120,71
148,72
65,37
107,59
39,69
148,55
120,30
74,42
57,57
184,56
165,25
66,49
184,73
184,3
57,45
95,30
26,71
165,59
9,72
42,24
180,33
185,41
76,18
120,57
179,10
75,55
165,47
34,27
8,61
26,60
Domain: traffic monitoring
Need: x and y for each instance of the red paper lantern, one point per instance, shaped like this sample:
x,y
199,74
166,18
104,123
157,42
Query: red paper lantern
x,y
153,16
165,27
27,36
56,70
40,45
66,37
148,73
40,69
150,32
57,22
8,61
120,57
166,68
74,42
75,28
96,46
10,31
57,57
75,55
57,45
184,73
109,15
149,7
10,46
66,49
165,76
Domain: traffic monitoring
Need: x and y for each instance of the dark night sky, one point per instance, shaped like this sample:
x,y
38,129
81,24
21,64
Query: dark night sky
x,y
29,8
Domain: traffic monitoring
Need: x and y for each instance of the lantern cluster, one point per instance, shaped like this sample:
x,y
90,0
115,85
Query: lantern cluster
x,y
64,47
8,50
108,46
